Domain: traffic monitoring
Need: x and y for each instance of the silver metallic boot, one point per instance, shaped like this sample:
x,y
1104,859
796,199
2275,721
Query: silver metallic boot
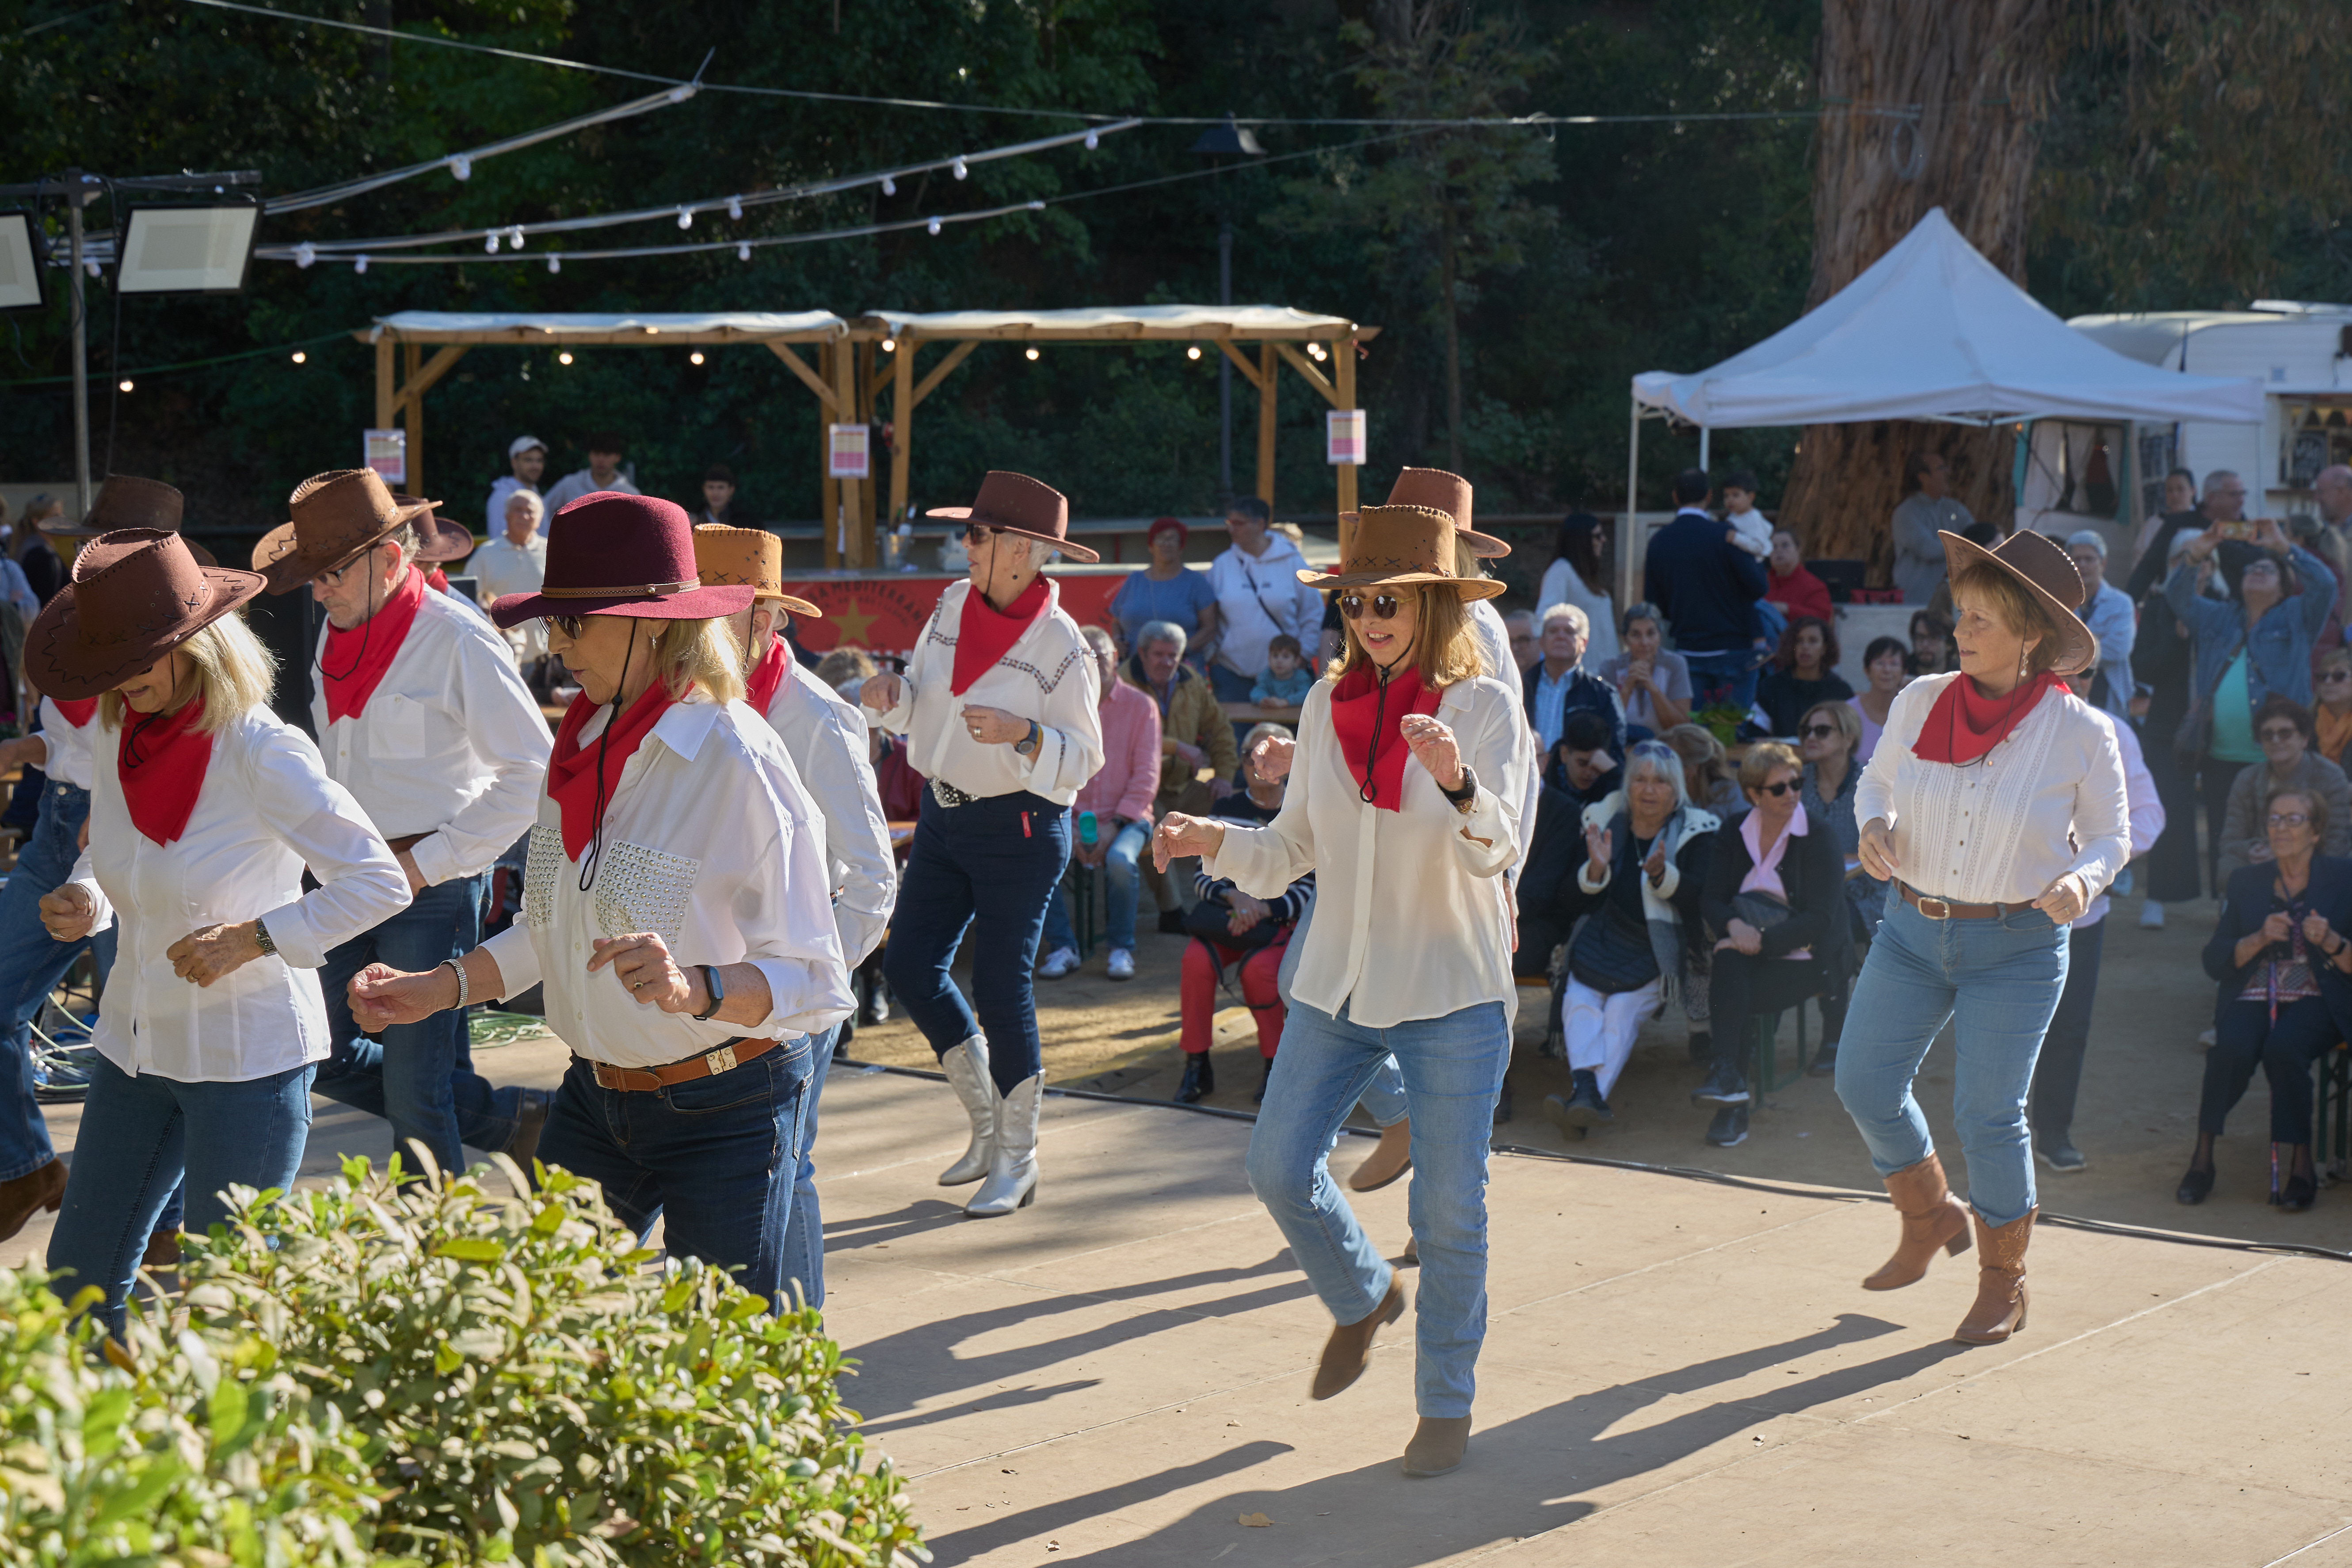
x,y
1013,1172
967,1070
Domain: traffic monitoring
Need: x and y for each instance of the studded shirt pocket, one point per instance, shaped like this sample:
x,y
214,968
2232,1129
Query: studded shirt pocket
x,y
640,889
545,861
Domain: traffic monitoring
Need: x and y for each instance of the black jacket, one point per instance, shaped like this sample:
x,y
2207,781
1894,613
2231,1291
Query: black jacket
x,y
2250,899
1566,899
1585,690
1705,587
1812,869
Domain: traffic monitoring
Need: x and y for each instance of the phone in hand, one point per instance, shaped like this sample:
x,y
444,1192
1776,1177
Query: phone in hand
x,y
2242,530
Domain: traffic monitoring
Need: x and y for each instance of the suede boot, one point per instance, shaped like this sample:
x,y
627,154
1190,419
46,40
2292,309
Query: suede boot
x,y
28,1195
2000,1310
1438,1445
1932,1217
1349,1348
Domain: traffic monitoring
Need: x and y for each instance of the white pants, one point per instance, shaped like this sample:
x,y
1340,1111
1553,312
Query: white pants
x,y
1600,1029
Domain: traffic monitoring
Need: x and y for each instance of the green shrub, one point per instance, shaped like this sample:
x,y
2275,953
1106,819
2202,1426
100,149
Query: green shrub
x,y
206,1452
528,1390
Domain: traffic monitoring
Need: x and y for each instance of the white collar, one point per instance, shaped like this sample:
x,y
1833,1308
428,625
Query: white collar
x,y
686,724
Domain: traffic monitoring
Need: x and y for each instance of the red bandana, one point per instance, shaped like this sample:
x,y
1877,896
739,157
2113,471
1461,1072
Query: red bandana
x,y
1964,724
77,713
161,762
571,773
1357,704
770,675
355,660
438,581
986,634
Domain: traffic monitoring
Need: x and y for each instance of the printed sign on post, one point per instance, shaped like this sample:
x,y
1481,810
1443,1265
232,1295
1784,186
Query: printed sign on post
x,y
847,455
387,454
1343,436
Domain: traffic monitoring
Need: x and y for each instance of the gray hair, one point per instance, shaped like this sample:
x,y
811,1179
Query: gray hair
x,y
2088,539
2217,475
1642,610
1259,732
1520,621
1161,631
530,498
1657,757
1100,640
1572,613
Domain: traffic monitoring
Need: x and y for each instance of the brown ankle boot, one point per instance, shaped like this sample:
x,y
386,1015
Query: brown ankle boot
x,y
2000,1310
1932,1217
28,1195
1391,1157
1349,1348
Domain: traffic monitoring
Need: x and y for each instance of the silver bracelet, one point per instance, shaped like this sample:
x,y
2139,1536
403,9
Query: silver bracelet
x,y
463,988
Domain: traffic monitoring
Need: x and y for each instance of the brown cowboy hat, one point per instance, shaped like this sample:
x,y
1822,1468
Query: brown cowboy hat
x,y
136,595
125,502
2042,563
1448,493
1401,546
724,555
338,517
1016,503
439,541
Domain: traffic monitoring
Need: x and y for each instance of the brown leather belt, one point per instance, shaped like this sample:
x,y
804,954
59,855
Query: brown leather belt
x,y
709,1064
1937,909
402,846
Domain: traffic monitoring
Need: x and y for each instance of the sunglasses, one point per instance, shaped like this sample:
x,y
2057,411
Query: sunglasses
x,y
1817,731
2331,677
1384,606
974,532
1776,790
568,625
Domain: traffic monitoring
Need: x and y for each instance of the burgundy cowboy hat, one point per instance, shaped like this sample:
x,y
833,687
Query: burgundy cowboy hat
x,y
1016,503
439,541
611,555
136,595
338,517
2040,563
1448,493
1391,546
124,500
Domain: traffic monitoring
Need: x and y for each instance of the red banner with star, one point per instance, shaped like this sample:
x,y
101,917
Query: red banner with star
x,y
884,614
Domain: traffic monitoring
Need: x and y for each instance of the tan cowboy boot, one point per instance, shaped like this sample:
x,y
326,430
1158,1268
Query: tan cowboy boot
x,y
1932,1217
1392,1157
1437,1446
1349,1348
2000,1310
28,1195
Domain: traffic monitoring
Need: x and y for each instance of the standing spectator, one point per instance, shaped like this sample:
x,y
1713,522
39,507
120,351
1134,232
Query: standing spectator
x,y
602,474
1925,510
1882,661
526,461
515,562
1260,596
1708,588
1579,575
1931,645
1526,647
2108,611
2282,729
1118,798
1193,734
42,568
2164,661
2333,490
1653,686
2155,542
2332,715
1559,686
718,509
1803,675
1792,587
1826,739
1167,589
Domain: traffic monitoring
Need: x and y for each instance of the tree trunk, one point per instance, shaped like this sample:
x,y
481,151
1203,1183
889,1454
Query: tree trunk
x,y
1982,72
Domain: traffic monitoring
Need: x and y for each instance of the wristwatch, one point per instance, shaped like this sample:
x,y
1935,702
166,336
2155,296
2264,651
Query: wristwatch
x,y
1027,744
261,940
1462,799
711,984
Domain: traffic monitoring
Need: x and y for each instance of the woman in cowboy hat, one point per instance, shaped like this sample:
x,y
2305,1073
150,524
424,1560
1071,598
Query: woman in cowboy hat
x,y
1995,802
674,907
1405,801
205,809
999,709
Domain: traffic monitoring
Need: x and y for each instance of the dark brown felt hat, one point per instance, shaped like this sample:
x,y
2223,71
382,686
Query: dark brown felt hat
x,y
1448,493
136,595
336,517
122,501
613,555
2042,563
1392,546
439,541
1017,503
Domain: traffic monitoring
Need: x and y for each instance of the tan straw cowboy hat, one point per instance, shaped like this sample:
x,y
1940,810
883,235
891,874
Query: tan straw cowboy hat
x,y
337,518
136,595
2040,563
1449,493
725,556
1401,546
1016,503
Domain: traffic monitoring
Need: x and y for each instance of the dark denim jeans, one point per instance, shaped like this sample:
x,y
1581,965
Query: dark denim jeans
x,y
999,860
33,965
418,1077
715,1159
2058,1070
805,1233
1719,677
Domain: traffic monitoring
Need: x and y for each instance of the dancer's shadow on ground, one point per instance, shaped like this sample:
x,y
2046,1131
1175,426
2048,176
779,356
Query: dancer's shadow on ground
x,y
874,1230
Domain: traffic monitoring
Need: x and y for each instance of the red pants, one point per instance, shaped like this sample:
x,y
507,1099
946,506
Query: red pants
x,y
1199,991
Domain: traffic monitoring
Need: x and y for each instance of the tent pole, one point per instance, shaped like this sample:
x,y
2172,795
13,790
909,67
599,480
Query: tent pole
x,y
1702,446
1629,533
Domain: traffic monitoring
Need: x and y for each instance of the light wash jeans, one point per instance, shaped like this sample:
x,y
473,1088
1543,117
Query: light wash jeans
x,y
1119,883
1452,1069
2001,980
33,965
804,1229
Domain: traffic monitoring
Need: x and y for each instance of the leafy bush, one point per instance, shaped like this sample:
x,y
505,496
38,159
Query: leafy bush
x,y
526,1390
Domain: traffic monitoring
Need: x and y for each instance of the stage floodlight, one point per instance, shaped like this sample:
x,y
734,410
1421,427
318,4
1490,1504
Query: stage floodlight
x,y
186,249
20,261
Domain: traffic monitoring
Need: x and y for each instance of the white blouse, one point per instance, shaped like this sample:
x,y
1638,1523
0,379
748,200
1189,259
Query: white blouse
x,y
826,739
68,744
265,811
450,744
2048,799
1047,675
711,841
1412,909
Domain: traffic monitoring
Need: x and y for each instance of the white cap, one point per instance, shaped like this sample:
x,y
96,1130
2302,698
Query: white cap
x,y
522,444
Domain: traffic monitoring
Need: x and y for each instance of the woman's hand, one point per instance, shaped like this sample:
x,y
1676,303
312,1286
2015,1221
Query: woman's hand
x,y
995,726
382,996
2279,927
2066,899
1433,746
1179,836
1596,852
1744,938
1654,867
2318,934
880,692
68,913
1270,758
215,952
1638,674
1247,911
641,961
1876,850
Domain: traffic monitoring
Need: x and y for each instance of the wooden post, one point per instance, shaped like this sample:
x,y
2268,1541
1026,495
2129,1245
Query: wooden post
x,y
858,546
384,383
828,507
1343,365
902,420
415,358
869,494
1269,378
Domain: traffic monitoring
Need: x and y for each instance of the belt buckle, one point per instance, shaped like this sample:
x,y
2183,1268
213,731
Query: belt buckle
x,y
1935,908
721,1060
947,794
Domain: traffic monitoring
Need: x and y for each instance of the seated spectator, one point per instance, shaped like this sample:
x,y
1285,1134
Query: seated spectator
x,y
2332,718
720,505
2281,956
527,459
2108,611
1652,686
1238,941
1882,661
1708,779
1792,586
1286,679
1645,857
1525,650
846,664
1775,899
1579,575
603,473
1194,734
1167,589
1117,800
1931,646
515,562
1803,673
1826,739
2282,728
1558,685
1581,773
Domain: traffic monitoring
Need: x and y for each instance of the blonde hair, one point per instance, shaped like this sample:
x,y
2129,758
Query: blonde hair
x,y
233,674
1842,715
1763,759
702,654
2019,610
1695,745
1467,566
1444,649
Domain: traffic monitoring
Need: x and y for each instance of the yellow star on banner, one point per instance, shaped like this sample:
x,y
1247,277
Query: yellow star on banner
x,y
853,625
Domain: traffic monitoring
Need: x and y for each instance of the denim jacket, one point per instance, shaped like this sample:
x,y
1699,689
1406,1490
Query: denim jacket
x,y
2278,648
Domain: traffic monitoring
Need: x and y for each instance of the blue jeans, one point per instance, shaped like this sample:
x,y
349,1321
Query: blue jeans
x,y
1229,686
804,1231
998,860
1452,1069
1119,884
419,1077
1718,677
715,1158
2001,980
37,965
140,1135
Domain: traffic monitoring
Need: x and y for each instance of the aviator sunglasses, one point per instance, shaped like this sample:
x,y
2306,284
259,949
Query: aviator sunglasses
x,y
1384,606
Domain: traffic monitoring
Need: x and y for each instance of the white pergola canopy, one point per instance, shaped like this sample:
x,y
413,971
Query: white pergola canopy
x,y
549,326
1255,324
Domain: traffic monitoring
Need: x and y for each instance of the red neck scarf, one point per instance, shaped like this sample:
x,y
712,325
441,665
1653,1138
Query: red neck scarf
x,y
764,681
355,660
77,713
1965,724
985,633
577,781
161,760
438,581
1368,717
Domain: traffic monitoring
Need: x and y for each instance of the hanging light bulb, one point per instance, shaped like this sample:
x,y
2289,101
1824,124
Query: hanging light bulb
x,y
305,254
735,208
299,357
461,167
555,264
958,166
359,265
514,238
490,244
91,268
564,358
1092,140
743,252
933,226
695,358
1192,352
125,385
889,187
685,217
1029,353
889,345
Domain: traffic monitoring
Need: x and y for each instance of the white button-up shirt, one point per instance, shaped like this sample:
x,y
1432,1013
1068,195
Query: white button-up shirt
x,y
2049,799
1048,675
267,810
450,744
68,745
2145,807
826,739
1410,907
500,568
712,842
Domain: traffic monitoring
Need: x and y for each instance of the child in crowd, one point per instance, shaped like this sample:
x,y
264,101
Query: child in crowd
x,y
1286,679
1752,531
